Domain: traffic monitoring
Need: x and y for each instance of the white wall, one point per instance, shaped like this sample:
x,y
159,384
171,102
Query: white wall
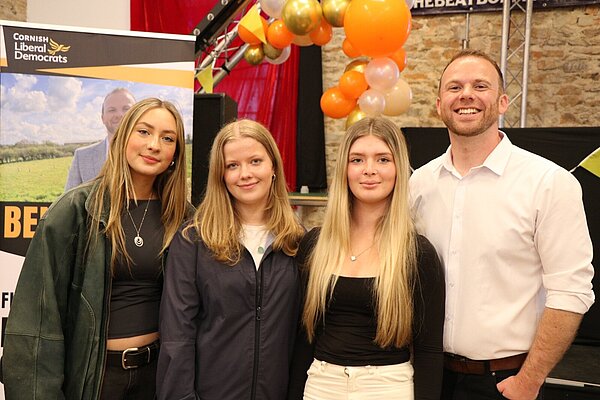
x,y
108,14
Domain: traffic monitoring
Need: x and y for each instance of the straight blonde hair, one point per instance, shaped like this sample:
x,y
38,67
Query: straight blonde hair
x,y
115,183
216,221
395,282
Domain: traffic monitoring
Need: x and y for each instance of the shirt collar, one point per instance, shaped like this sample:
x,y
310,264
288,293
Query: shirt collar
x,y
495,162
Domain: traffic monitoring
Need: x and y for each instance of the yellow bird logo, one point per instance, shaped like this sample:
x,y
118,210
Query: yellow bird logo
x,y
56,48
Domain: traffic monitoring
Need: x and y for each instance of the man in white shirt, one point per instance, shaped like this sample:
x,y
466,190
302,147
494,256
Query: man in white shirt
x,y
88,160
511,231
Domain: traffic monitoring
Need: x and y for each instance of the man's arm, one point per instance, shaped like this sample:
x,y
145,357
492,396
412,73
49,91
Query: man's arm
x,y
554,335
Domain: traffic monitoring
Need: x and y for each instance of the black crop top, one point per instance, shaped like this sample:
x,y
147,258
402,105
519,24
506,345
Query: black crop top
x,y
346,336
136,289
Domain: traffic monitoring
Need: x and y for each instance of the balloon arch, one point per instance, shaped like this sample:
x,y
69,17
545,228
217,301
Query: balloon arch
x,y
376,31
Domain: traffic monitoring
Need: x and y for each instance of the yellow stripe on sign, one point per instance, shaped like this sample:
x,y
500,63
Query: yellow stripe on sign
x,y
166,77
3,62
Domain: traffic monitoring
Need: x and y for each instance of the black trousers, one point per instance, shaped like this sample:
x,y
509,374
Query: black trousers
x,y
131,384
457,386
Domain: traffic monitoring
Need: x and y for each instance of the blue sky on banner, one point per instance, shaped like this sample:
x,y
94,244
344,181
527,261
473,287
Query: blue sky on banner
x,y
39,108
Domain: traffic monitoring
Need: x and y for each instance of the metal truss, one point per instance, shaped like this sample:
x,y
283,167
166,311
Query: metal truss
x,y
214,37
514,59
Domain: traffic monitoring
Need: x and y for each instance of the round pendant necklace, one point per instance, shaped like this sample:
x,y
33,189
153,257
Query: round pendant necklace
x,y
355,257
138,240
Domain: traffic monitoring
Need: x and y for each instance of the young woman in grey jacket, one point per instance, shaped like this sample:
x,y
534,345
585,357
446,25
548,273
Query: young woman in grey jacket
x,y
231,295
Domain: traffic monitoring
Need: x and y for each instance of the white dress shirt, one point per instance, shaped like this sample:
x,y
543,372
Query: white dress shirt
x,y
513,238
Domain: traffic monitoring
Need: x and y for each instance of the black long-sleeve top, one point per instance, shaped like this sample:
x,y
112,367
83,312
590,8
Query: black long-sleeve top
x,y
426,347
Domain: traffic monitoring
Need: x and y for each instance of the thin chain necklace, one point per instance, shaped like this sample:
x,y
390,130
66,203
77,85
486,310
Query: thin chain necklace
x,y
138,240
355,257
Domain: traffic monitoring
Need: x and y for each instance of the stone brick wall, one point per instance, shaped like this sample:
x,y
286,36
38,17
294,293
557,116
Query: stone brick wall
x,y
13,10
564,70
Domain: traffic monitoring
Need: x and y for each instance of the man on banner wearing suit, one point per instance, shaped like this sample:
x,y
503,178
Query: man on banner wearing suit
x,y
88,160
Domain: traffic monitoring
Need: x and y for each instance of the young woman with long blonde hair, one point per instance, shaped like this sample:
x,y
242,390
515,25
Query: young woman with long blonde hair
x,y
374,297
84,320
232,295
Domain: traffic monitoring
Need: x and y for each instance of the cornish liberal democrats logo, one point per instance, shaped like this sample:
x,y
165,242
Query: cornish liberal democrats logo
x,y
39,48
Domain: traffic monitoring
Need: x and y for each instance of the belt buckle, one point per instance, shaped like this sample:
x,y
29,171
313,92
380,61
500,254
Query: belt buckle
x,y
130,350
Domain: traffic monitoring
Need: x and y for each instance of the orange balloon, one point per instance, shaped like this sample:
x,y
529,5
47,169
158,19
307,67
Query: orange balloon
x,y
278,35
399,58
377,28
349,50
322,34
335,105
353,84
250,37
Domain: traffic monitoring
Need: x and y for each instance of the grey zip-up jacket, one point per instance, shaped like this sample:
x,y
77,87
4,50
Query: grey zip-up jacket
x,y
227,332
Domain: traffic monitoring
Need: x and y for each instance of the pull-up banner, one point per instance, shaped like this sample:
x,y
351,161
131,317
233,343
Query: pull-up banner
x,y
54,82
426,7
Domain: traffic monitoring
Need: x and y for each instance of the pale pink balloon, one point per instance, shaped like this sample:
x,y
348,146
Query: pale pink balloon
x,y
382,73
372,102
285,54
272,7
397,100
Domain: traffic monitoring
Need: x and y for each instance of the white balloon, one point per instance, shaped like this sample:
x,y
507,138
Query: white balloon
x,y
397,100
410,4
285,54
272,7
372,102
382,73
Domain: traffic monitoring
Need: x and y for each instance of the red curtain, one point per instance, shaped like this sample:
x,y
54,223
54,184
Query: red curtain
x,y
266,93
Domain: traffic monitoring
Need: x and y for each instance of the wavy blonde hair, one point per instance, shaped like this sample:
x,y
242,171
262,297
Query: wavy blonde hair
x,y
216,220
394,284
116,184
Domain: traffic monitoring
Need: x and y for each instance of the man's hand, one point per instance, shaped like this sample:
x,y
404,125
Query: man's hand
x,y
515,388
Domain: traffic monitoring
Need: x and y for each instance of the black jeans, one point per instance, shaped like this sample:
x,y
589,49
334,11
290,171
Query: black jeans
x,y
457,386
129,384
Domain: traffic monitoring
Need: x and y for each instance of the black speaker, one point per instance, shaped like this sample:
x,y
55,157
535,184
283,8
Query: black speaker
x,y
211,112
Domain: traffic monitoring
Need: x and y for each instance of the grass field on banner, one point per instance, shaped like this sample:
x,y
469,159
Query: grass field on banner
x,y
35,181
43,180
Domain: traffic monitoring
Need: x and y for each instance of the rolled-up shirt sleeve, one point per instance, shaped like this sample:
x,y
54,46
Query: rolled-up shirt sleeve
x,y
563,242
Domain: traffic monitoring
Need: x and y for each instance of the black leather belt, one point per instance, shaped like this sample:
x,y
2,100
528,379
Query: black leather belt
x,y
465,365
133,357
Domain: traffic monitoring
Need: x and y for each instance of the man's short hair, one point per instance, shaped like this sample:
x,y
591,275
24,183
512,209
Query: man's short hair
x,y
119,89
477,54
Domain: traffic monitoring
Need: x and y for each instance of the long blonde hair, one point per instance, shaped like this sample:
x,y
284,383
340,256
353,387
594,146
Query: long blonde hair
x,y
394,284
115,183
216,220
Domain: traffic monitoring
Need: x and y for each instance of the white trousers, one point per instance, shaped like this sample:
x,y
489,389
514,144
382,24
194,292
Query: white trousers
x,y
334,382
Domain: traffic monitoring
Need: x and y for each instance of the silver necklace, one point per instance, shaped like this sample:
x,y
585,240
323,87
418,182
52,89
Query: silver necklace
x,y
138,240
355,257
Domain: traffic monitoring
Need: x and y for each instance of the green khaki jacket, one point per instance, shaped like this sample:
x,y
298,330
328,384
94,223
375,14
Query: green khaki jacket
x,y
56,333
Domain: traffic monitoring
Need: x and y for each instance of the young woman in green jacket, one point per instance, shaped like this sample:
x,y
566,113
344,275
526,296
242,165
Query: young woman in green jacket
x,y
84,320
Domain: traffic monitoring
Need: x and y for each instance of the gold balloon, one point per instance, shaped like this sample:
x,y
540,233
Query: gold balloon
x,y
354,116
271,52
254,54
302,41
357,65
334,11
301,16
